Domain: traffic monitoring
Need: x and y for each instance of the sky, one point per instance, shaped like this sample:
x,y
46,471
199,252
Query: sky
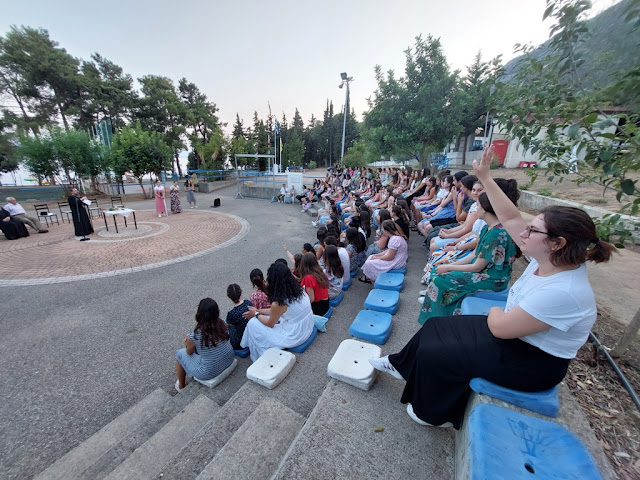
x,y
248,54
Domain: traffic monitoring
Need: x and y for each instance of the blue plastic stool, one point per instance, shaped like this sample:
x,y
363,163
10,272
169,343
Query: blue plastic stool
x,y
402,270
354,273
390,281
479,306
334,302
386,301
307,343
501,295
505,444
244,353
371,326
544,403
329,313
345,286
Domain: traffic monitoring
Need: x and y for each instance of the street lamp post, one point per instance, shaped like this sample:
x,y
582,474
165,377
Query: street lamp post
x,y
345,80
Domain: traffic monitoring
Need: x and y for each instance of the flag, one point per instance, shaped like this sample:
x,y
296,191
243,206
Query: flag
x,y
277,129
280,144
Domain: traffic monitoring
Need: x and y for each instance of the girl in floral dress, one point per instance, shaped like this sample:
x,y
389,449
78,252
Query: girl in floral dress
x,y
488,268
175,198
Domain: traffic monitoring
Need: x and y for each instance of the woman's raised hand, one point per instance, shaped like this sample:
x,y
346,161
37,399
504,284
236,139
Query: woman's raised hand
x,y
482,169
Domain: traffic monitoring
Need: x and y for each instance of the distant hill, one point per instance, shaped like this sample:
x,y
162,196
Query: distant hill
x,y
612,45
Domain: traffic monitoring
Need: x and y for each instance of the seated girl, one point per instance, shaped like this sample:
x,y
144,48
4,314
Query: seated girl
x,y
236,323
441,209
355,245
395,256
315,284
488,268
287,323
527,345
334,270
380,244
258,298
207,351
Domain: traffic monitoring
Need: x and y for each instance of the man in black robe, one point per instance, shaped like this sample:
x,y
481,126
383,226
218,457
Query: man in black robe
x,y
81,221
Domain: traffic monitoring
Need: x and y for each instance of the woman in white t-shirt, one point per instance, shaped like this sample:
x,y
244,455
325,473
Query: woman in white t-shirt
x,y
527,345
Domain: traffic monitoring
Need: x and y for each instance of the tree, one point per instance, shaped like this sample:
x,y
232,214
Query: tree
x,y
417,111
37,154
8,159
45,74
109,93
475,96
162,111
140,152
293,150
551,112
200,117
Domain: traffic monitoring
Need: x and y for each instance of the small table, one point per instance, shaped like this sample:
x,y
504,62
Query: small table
x,y
124,212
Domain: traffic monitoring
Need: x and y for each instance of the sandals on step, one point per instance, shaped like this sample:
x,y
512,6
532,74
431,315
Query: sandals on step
x,y
364,279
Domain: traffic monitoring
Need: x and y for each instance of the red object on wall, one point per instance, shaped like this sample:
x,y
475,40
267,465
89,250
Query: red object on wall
x,y
500,147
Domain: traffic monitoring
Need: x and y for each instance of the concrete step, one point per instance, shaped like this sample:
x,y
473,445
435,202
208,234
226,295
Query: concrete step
x,y
255,450
152,410
339,439
148,460
206,443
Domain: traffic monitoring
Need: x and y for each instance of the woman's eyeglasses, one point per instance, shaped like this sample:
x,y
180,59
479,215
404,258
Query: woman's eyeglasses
x,y
531,230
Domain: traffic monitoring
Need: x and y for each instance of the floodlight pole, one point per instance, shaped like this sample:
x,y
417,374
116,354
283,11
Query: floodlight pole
x,y
347,80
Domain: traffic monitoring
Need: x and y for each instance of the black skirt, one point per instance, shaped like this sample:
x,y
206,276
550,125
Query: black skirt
x,y
447,352
320,307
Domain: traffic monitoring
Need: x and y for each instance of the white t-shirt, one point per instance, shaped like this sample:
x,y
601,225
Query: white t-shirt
x,y
565,301
14,209
346,264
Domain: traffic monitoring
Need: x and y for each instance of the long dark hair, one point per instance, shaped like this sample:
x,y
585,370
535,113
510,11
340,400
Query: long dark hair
x,y
310,266
354,238
579,231
332,263
282,287
208,322
393,228
257,280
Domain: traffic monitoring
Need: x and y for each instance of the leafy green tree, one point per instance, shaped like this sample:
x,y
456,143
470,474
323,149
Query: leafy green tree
x,y
421,109
357,155
108,93
293,150
162,111
140,152
199,113
45,75
213,153
8,159
38,155
475,96
554,115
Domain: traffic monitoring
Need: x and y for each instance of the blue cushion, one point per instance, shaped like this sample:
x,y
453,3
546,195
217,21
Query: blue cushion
x,y
402,270
501,295
390,281
386,301
544,403
334,302
345,286
372,326
244,353
302,347
479,306
329,313
354,273
505,444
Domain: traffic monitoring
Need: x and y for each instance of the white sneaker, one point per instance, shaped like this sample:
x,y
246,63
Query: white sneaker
x,y
160,216
177,387
415,418
315,224
195,206
420,300
422,292
384,365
